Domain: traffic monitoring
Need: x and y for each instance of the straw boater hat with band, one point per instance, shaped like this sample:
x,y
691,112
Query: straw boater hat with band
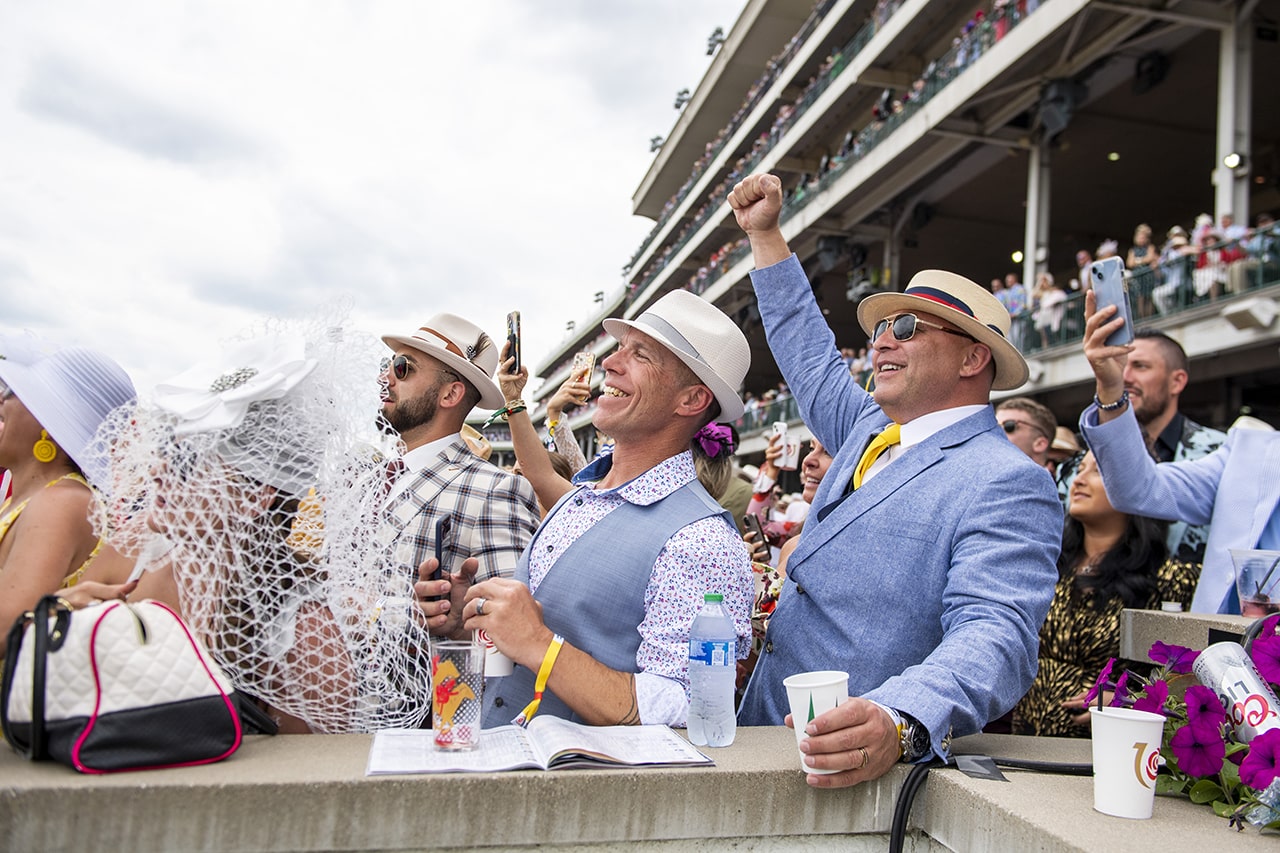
x,y
967,306
701,336
461,346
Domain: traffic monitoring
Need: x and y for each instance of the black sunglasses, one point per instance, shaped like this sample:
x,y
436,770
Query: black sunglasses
x,y
1011,426
904,328
401,367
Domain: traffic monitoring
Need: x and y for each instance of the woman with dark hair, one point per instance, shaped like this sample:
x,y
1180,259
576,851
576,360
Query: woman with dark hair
x,y
1109,561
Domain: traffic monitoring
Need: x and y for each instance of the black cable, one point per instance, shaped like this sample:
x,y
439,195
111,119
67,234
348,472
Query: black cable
x,y
915,779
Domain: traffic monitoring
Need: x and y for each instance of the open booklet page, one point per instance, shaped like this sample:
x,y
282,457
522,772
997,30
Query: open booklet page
x,y
548,743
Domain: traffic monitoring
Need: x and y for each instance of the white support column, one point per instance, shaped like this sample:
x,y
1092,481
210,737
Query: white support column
x,y
1037,224
1235,67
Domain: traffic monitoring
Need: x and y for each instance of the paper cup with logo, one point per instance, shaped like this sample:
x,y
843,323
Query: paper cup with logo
x,y
1126,753
810,695
496,664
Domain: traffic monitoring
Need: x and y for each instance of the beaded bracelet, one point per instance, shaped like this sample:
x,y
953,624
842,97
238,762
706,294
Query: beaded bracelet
x,y
1111,407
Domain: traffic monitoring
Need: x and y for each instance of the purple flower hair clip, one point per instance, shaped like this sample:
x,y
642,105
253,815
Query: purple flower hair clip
x,y
714,439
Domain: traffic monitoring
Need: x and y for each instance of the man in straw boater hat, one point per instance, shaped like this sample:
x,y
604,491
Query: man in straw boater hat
x,y
597,618
436,376
927,563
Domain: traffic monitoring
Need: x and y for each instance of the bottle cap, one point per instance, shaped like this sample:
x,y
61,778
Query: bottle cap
x,y
713,597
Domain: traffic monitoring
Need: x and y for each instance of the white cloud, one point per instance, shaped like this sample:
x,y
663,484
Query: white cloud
x,y
172,173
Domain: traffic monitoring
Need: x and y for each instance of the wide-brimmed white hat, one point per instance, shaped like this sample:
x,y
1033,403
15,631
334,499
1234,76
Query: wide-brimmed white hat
x,y
70,392
967,306
463,347
702,337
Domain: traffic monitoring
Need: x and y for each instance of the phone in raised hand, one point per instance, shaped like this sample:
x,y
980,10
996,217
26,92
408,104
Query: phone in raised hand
x,y
1109,288
513,339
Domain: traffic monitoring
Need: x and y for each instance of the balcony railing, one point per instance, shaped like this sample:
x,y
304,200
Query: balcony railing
x,y
1178,284
888,116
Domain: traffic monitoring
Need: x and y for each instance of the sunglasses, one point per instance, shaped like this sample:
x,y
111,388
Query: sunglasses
x,y
401,367
1011,426
904,328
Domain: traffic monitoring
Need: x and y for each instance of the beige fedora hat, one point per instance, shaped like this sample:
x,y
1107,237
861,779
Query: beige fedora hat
x,y
969,307
463,347
702,337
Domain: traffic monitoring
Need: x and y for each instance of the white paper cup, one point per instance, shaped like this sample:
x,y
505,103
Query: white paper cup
x,y
1126,753
496,664
810,695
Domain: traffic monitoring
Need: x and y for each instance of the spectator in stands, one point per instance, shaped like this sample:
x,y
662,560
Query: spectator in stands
x,y
1235,487
49,411
1029,425
1083,259
1049,309
1016,302
636,541
1176,262
1155,375
1065,446
1231,232
1213,257
1262,257
889,542
573,392
1142,262
1109,561
1107,249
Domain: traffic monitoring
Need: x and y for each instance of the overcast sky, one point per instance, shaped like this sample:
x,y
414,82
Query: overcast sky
x,y
172,172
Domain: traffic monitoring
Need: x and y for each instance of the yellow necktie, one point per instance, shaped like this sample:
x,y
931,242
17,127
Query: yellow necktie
x,y
892,435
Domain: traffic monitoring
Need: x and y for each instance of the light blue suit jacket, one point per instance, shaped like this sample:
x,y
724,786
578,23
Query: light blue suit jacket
x,y
1234,490
930,583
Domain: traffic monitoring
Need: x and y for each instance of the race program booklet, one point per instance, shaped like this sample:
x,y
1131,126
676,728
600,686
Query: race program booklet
x,y
549,743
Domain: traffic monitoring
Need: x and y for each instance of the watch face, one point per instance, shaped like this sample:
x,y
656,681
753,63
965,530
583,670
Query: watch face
x,y
919,740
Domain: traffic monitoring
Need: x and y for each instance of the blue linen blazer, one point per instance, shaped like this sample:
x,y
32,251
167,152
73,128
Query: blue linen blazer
x,y
930,583
1234,490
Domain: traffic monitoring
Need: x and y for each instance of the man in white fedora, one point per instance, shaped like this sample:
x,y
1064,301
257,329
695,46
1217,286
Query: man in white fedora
x,y
927,563
597,618
435,377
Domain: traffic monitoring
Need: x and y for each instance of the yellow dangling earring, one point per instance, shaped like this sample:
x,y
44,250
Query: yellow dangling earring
x,y
44,449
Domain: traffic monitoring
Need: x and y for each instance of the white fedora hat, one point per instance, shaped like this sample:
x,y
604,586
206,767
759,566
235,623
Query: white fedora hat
x,y
70,393
969,307
463,347
702,337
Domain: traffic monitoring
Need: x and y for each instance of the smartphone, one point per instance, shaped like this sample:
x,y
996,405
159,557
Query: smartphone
x,y
790,458
513,338
1109,287
752,522
444,538
583,363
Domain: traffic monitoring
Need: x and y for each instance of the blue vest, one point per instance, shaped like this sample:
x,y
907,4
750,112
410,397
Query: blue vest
x,y
594,594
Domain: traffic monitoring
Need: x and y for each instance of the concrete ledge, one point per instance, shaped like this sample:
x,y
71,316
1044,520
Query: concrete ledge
x,y
310,793
1140,628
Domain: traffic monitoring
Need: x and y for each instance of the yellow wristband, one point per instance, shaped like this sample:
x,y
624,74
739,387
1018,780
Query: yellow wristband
x,y
551,425
540,685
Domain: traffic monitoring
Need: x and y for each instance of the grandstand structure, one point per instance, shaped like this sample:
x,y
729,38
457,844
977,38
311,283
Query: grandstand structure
x,y
922,134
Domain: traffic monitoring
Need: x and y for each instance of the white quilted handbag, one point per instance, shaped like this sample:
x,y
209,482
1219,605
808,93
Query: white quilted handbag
x,y
112,687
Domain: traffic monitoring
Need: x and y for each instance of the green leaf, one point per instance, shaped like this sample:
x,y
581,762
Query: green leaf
x,y
1233,748
1205,791
1222,809
1170,785
1230,774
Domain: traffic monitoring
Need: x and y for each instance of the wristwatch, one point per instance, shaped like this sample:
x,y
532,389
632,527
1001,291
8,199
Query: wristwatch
x,y
913,737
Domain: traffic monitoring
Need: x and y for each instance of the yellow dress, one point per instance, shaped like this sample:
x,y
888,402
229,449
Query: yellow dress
x,y
9,516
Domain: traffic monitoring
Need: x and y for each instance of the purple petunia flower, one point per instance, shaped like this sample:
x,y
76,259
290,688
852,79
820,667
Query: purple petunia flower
x,y
1204,709
1177,658
1121,691
1100,682
1153,699
1262,765
1199,750
1266,657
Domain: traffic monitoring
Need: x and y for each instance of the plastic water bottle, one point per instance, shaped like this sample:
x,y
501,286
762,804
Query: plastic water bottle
x,y
712,672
